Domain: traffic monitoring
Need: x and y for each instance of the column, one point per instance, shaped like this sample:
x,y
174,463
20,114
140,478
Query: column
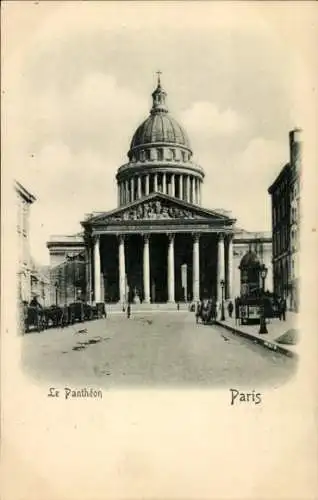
x,y
173,185
230,267
155,183
102,287
97,290
132,189
164,183
122,269
89,274
199,192
196,268
139,187
188,189
196,192
118,193
171,268
123,193
126,195
220,268
146,269
147,184
193,189
181,187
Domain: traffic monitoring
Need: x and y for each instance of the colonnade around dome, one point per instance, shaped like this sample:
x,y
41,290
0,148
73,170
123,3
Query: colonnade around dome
x,y
185,187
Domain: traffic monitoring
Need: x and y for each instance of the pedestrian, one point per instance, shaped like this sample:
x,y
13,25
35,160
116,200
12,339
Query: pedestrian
x,y
214,309
178,306
283,309
128,311
197,312
230,308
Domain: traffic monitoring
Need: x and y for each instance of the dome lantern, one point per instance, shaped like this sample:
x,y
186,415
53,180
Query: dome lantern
x,y
159,98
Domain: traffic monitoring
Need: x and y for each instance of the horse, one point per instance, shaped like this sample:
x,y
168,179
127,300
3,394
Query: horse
x,y
53,315
207,311
34,316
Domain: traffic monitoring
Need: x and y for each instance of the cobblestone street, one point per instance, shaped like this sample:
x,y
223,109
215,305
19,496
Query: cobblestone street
x,y
151,349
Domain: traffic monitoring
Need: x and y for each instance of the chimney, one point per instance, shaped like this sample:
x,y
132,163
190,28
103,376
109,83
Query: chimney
x,y
295,145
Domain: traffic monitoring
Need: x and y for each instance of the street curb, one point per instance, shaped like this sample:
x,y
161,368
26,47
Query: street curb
x,y
268,344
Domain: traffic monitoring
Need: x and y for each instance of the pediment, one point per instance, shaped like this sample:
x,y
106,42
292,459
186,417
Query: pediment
x,y
158,207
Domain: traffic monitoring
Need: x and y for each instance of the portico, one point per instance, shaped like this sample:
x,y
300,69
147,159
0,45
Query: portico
x,y
140,258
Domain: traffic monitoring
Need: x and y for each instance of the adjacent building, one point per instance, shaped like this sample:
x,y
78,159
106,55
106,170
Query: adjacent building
x,y
295,140
24,200
40,283
251,250
285,198
67,268
159,244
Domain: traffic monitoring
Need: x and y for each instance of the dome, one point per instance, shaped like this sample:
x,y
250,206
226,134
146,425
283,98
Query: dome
x,y
160,128
159,159
250,260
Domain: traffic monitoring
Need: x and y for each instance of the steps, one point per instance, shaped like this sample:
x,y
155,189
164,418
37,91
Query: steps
x,y
148,307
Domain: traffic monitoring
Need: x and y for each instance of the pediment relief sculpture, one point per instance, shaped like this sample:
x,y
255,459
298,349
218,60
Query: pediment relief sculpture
x,y
154,210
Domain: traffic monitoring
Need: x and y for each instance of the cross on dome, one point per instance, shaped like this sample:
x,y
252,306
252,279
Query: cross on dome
x,y
159,82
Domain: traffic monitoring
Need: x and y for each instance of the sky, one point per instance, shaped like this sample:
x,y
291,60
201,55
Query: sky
x,y
78,79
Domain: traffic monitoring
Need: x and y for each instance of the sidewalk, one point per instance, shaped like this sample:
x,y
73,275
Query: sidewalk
x,y
275,329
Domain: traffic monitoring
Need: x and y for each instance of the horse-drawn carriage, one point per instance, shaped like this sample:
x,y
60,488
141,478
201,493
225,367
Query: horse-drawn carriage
x,y
56,316
207,311
38,318
33,318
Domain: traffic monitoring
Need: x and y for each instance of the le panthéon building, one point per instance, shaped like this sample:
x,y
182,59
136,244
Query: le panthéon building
x,y
159,244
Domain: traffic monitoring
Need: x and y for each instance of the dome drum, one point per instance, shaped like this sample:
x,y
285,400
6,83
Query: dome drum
x,y
160,151
183,186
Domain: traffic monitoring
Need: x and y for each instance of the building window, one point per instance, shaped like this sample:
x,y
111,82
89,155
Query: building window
x,y
160,154
148,154
172,154
142,155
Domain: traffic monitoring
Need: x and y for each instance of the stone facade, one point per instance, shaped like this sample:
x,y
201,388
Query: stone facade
x,y
285,196
67,267
24,200
295,142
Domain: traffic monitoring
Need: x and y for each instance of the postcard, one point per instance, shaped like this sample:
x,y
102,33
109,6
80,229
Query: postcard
x,y
159,248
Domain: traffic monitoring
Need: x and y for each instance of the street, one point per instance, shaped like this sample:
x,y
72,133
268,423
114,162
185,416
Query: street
x,y
151,350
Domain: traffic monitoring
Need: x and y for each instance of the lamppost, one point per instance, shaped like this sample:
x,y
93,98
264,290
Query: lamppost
x,y
222,283
56,290
262,323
